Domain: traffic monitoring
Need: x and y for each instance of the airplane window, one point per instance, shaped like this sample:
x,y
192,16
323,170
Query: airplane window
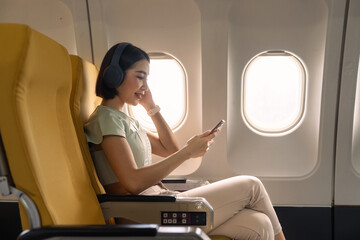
x,y
273,98
167,81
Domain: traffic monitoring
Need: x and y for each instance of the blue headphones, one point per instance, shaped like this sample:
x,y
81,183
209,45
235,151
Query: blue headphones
x,y
113,75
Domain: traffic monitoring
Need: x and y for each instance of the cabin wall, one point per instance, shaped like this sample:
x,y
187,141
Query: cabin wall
x,y
298,165
64,21
311,171
214,42
347,145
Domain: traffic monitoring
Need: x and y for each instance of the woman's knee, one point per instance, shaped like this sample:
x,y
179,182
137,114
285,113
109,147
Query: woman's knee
x,y
254,181
251,182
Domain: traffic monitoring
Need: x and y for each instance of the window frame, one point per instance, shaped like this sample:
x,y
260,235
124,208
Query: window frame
x,y
300,116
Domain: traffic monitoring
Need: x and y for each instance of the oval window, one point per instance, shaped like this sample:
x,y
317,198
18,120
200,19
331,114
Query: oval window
x,y
273,90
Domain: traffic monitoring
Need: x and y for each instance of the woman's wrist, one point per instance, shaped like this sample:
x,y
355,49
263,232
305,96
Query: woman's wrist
x,y
153,110
185,153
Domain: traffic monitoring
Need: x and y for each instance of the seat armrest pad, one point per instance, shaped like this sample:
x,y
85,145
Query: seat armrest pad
x,y
134,198
91,230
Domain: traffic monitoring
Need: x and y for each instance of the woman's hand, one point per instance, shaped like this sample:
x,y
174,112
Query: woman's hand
x,y
198,145
147,100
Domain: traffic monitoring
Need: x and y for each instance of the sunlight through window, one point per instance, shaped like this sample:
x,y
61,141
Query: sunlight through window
x,y
167,81
273,92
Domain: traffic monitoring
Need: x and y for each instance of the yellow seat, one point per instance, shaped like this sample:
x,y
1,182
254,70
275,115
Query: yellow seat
x,y
83,102
41,143
36,128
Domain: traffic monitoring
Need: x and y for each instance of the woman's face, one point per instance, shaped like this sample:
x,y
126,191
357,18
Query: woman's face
x,y
135,83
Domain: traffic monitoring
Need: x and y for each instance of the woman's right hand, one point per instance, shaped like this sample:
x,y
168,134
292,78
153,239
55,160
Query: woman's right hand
x,y
198,145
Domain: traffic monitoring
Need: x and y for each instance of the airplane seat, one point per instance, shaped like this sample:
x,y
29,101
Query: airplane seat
x,y
83,102
41,146
36,128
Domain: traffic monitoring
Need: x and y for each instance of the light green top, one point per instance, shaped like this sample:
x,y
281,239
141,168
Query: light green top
x,y
106,121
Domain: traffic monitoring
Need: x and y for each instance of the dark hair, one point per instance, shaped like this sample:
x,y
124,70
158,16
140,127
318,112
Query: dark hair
x,y
129,56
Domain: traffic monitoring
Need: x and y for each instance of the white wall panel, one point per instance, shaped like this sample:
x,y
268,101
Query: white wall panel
x,y
65,21
347,152
297,169
298,27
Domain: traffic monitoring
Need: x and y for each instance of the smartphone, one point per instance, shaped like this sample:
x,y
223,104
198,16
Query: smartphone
x,y
219,125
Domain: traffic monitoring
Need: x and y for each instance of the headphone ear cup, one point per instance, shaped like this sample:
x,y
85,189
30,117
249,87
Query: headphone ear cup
x,y
113,76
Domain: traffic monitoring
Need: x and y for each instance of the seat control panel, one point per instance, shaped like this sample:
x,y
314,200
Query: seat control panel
x,y
183,218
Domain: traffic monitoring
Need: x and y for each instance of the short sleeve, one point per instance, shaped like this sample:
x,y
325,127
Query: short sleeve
x,y
104,123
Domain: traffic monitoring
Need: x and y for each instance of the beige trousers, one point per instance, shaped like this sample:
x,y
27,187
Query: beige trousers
x,y
242,207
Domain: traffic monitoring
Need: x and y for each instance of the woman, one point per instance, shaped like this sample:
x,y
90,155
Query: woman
x,y
122,150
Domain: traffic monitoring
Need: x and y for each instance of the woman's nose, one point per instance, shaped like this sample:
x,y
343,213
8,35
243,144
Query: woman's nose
x,y
145,85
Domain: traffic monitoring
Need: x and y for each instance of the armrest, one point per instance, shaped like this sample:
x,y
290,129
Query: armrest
x,y
133,231
90,231
161,210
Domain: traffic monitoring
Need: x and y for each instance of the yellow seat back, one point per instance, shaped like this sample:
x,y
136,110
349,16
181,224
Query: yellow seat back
x,y
39,137
83,102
